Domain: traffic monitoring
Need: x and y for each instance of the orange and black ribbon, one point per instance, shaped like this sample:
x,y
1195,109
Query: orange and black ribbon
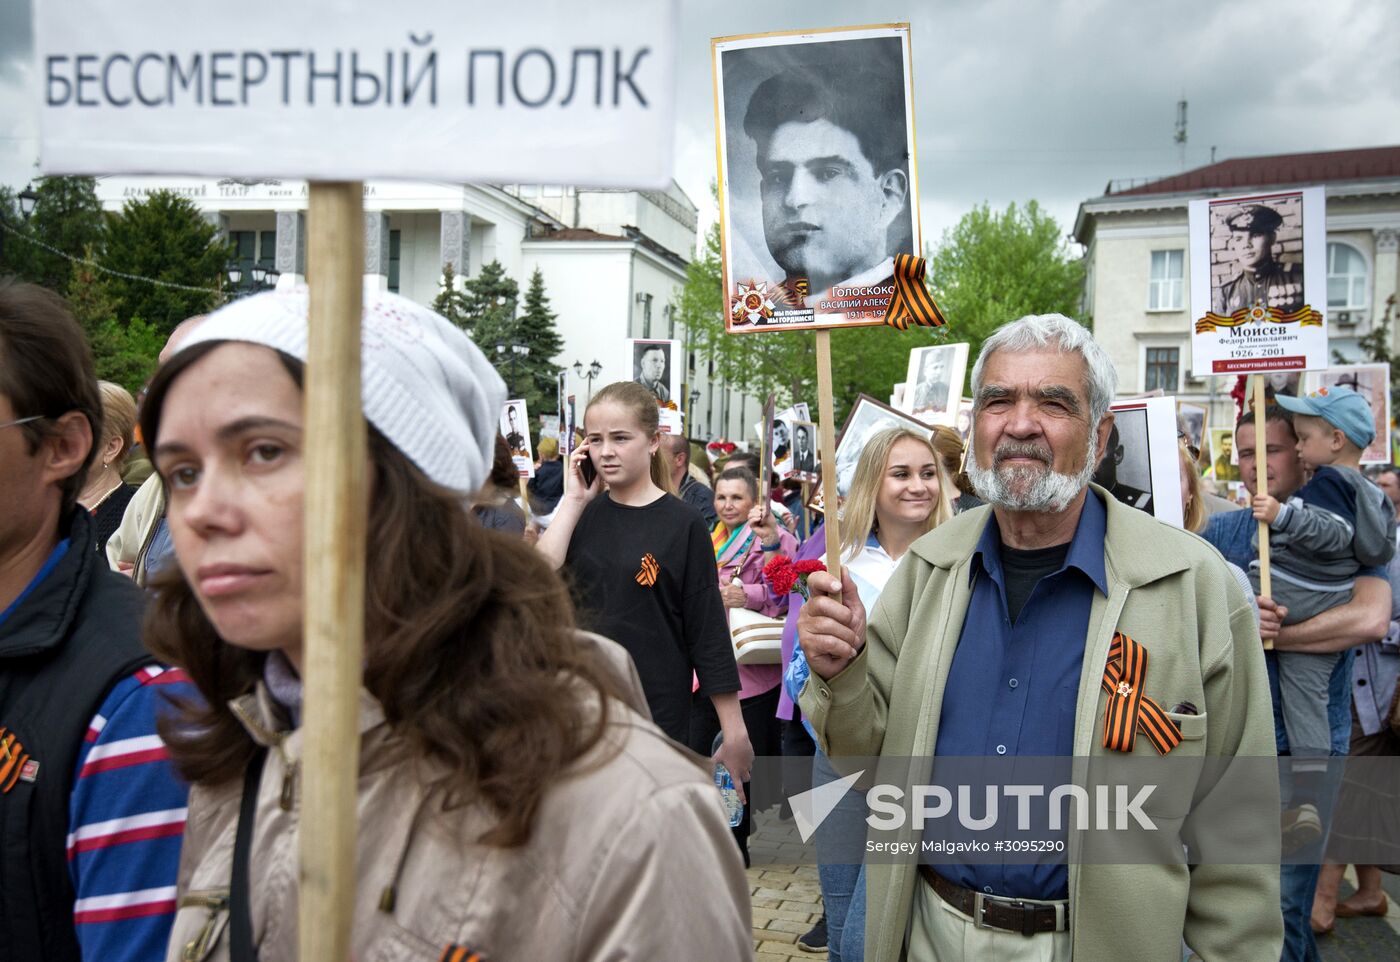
x,y
1129,707
646,575
1305,316
12,759
911,301
458,953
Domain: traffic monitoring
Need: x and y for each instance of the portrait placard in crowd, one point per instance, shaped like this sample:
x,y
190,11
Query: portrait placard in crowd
x,y
1224,462
804,452
868,417
935,382
1193,422
1372,382
515,428
1139,465
1259,283
656,366
818,182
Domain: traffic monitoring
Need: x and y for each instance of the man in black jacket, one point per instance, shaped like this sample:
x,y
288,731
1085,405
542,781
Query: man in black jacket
x,y
692,492
90,815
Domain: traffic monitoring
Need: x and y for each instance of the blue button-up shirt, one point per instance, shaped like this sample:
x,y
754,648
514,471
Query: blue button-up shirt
x,y
1013,689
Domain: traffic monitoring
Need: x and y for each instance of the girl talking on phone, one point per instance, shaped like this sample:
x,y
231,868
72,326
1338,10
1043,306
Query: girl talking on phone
x,y
643,569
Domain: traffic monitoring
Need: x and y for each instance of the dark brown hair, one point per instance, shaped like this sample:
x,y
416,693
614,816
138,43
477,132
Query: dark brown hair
x,y
46,369
470,648
503,471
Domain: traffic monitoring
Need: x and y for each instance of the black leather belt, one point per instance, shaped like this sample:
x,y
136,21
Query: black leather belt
x,y
1010,915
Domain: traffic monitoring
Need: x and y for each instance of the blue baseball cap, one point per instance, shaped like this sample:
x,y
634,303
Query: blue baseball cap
x,y
1340,407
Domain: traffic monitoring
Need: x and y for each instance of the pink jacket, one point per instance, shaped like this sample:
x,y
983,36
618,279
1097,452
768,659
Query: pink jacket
x,y
746,564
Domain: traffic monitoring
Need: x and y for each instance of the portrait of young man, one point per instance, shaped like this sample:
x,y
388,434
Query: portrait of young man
x,y
818,190
1258,276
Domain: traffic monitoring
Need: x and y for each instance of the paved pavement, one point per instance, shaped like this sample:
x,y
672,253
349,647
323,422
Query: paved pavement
x,y
1368,939
786,903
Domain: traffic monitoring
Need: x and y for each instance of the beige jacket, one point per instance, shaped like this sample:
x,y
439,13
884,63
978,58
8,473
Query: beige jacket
x,y
129,544
633,860
1171,592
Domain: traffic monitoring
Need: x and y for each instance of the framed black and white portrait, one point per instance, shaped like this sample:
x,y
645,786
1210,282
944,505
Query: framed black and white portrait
x,y
818,182
934,383
1140,463
515,428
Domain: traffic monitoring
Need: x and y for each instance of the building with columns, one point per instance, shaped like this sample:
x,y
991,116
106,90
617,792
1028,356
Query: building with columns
x,y
613,261
1138,270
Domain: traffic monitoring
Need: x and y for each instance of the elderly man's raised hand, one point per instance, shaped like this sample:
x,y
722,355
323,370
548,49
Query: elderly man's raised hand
x,y
831,630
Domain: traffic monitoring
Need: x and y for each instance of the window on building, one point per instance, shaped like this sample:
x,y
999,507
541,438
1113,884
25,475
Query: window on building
x,y
1164,289
1346,278
394,240
1161,366
244,243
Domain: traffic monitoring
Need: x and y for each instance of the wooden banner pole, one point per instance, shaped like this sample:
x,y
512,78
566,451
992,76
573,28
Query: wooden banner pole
x,y
1261,486
831,504
525,496
334,562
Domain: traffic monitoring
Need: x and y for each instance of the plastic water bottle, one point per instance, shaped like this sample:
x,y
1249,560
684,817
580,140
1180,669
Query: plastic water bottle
x,y
733,804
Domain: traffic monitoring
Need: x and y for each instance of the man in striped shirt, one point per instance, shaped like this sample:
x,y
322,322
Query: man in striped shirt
x,y
90,813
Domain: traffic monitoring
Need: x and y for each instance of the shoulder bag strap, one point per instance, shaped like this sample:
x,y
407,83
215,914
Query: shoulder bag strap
x,y
241,947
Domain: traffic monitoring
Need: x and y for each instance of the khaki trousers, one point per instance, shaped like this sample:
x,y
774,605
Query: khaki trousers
x,y
940,933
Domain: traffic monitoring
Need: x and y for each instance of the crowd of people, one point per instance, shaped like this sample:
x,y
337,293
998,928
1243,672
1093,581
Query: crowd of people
x,y
549,682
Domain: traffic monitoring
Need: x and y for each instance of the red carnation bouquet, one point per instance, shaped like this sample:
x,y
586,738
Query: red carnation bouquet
x,y
786,576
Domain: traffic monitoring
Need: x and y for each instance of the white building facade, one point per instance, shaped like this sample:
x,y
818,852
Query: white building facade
x,y
613,261
1138,271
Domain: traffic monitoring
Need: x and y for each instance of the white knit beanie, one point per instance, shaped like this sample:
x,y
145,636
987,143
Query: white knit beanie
x,y
424,385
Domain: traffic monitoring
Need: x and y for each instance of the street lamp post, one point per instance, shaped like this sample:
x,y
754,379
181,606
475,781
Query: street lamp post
x,y
690,413
27,199
259,279
592,372
517,351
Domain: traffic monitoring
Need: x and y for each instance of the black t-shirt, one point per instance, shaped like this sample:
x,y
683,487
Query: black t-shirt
x,y
1023,569
645,577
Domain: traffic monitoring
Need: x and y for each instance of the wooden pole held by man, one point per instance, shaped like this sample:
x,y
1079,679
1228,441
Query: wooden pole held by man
x,y
334,587
831,503
1261,486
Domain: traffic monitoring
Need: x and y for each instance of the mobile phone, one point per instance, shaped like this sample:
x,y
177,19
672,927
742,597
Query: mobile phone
x,y
588,471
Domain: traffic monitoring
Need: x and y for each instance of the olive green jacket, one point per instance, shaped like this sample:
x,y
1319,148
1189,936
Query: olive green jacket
x,y
1171,592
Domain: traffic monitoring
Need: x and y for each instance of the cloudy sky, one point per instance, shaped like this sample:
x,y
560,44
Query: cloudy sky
x,y
1021,99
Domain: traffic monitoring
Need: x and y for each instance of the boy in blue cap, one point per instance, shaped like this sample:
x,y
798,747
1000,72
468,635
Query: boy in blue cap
x,y
1335,524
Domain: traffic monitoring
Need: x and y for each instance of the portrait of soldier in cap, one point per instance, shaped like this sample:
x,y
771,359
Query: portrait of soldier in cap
x,y
1259,278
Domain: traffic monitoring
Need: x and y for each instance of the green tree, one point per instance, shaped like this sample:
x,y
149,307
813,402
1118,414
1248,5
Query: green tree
x,y
535,329
451,301
67,217
995,267
490,299
164,237
89,297
127,353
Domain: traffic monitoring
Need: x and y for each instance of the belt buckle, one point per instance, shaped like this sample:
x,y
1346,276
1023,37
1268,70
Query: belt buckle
x,y
979,910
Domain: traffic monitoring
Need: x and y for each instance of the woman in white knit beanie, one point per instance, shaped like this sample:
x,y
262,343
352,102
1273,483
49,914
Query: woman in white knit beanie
x,y
515,801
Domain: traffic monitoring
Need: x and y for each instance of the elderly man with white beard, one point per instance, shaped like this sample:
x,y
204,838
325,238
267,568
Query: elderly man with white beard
x,y
1052,622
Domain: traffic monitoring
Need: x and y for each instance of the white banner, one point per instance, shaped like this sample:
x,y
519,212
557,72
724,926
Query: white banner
x,y
337,90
